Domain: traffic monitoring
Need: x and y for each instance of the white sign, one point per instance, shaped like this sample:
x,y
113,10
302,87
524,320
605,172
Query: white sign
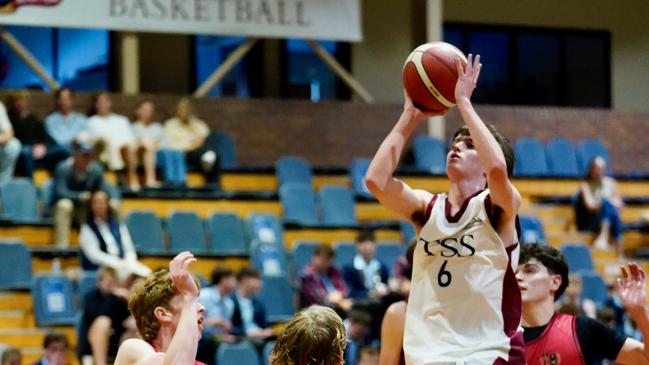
x,y
310,19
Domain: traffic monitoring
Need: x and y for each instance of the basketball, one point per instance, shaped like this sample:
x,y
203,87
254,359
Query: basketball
x,y
430,74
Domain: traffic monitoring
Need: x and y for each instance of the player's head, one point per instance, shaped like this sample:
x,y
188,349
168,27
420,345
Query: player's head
x,y
249,281
224,278
63,99
365,244
596,168
11,356
54,346
315,336
323,257
156,304
542,273
462,158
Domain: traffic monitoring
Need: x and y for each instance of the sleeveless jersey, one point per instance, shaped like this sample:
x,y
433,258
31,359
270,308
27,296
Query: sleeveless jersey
x,y
557,345
464,305
196,362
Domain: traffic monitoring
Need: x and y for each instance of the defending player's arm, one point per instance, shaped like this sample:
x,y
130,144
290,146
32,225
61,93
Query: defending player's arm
x,y
503,193
392,334
633,292
393,193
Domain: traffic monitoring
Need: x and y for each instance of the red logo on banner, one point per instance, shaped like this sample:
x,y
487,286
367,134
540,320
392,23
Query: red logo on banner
x,y
9,6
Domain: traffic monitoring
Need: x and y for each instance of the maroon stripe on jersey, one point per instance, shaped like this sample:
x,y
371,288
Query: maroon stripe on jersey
x,y
429,208
455,218
494,212
512,310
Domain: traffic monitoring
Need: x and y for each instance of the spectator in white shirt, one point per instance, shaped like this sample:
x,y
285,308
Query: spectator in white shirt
x,y
9,147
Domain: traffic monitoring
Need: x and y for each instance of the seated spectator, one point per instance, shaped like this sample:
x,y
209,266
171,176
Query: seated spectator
x,y
572,303
74,180
64,124
368,355
105,313
249,314
54,347
11,356
598,206
120,148
403,270
105,241
367,276
191,135
150,136
219,308
9,147
357,327
315,335
29,129
322,284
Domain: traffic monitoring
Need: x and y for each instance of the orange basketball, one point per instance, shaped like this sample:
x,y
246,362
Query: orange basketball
x,y
430,74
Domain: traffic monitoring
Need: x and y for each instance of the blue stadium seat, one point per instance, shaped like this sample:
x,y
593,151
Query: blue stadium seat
x,y
293,169
53,299
530,158
15,266
265,353
532,229
388,252
337,204
145,229
589,149
408,232
265,228
430,154
186,232
242,353
344,253
19,200
298,204
277,294
302,254
227,234
593,287
562,158
357,171
578,257
269,259
226,150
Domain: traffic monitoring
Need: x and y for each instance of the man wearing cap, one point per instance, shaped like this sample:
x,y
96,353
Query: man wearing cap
x,y
74,180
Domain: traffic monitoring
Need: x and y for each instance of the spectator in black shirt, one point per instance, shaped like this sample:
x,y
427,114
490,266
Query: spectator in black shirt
x,y
542,277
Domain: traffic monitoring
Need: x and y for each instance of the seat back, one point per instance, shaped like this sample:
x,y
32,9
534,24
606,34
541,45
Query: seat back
x,y
530,158
269,259
19,200
344,253
15,265
562,158
593,287
587,150
429,154
408,232
357,171
53,299
242,353
298,203
302,254
227,234
531,229
186,232
276,292
578,257
338,206
265,228
293,169
226,150
388,252
145,229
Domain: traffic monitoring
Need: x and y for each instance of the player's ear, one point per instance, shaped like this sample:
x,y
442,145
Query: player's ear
x,y
556,282
162,314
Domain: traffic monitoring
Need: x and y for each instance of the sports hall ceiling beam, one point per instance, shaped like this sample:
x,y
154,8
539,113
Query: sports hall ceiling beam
x,y
28,58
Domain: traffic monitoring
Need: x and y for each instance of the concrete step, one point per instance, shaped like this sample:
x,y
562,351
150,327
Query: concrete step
x,y
16,300
16,319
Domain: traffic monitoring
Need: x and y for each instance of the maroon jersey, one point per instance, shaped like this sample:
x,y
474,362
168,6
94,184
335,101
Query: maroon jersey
x,y
557,345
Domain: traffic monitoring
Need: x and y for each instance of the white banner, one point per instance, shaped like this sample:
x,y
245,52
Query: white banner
x,y
310,19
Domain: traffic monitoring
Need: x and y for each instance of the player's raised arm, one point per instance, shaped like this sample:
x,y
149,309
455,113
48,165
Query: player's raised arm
x,y
393,193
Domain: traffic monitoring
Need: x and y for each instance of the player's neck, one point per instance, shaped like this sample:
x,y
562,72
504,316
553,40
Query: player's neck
x,y
462,190
538,313
162,341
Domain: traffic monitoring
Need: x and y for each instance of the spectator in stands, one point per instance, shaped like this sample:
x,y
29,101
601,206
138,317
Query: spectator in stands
x,y
368,355
168,315
322,284
105,312
30,131
573,303
219,308
249,313
64,124
74,180
357,327
54,347
9,147
150,136
598,206
367,276
11,356
315,335
191,135
120,147
542,276
403,270
105,241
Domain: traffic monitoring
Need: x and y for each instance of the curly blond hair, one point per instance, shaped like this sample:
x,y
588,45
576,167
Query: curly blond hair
x,y
156,290
315,336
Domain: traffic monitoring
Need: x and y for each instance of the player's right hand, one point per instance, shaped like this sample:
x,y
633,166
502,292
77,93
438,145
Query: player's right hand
x,y
181,277
416,113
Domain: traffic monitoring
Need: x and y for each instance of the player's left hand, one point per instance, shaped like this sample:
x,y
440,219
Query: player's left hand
x,y
181,277
632,288
467,78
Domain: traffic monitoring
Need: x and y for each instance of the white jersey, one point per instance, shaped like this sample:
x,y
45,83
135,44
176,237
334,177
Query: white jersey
x,y
464,305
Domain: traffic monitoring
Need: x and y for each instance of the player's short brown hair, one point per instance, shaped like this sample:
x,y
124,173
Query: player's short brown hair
x,y
315,336
503,142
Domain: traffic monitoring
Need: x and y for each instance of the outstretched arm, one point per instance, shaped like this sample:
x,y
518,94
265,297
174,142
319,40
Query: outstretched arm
x,y
393,193
633,292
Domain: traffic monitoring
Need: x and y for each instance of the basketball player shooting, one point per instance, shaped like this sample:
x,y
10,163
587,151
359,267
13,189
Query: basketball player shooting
x,y
464,304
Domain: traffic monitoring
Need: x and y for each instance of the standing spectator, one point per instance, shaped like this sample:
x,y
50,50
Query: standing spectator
x,y
54,347
74,180
322,284
599,204
30,131
9,147
120,146
150,136
11,356
367,276
64,124
191,135
249,313
105,241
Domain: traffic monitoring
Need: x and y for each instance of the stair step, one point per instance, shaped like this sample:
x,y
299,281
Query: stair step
x,y
16,300
16,319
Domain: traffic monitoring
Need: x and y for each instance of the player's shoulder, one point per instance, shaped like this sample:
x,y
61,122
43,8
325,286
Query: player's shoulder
x,y
133,350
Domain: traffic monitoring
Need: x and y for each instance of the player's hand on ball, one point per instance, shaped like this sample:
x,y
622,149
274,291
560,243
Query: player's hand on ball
x,y
467,78
417,114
